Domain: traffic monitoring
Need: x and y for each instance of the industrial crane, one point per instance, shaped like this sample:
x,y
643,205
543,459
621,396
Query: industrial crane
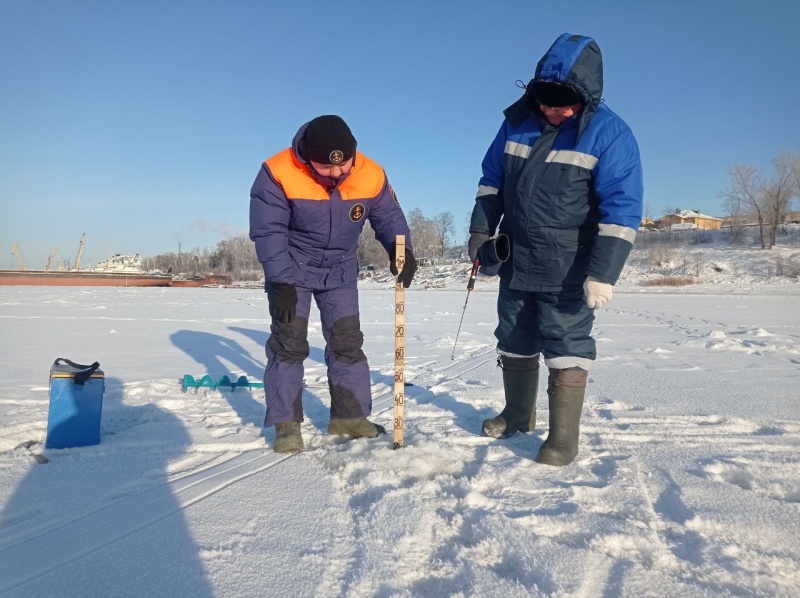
x,y
80,253
15,251
49,259
55,253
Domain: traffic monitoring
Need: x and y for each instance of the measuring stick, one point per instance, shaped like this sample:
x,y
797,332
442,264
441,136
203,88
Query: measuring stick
x,y
399,343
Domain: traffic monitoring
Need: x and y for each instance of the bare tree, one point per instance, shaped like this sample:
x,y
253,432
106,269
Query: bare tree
x,y
779,191
241,254
745,193
796,168
443,227
647,212
370,251
768,199
733,205
423,234
668,210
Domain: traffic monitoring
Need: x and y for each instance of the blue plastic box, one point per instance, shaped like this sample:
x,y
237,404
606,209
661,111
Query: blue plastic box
x,y
75,409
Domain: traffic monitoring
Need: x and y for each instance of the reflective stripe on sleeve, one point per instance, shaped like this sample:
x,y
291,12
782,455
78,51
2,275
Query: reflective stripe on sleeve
x,y
486,190
518,149
615,230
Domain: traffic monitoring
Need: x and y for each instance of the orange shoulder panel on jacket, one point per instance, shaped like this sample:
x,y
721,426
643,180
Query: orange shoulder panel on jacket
x,y
365,181
294,177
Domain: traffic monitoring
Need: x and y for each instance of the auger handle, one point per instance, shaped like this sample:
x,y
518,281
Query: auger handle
x,y
474,274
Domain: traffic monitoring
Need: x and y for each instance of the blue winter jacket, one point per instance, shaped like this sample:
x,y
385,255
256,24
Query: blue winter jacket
x,y
569,197
300,220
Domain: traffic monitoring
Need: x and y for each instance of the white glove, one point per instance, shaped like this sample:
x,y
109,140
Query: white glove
x,y
597,293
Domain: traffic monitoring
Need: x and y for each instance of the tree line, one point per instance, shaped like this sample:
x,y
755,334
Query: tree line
x,y
235,256
432,238
766,197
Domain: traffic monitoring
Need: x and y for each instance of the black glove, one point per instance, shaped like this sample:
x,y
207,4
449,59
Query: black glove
x,y
475,241
282,301
409,269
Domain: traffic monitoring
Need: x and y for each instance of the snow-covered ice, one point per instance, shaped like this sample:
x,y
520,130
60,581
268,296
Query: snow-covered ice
x,y
687,482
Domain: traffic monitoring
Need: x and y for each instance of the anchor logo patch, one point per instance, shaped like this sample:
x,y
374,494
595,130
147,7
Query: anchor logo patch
x,y
357,212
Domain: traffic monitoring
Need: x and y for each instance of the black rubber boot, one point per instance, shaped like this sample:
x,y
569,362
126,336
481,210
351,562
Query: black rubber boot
x,y
565,392
521,384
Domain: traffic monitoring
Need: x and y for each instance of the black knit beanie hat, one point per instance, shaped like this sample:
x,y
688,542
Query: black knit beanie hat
x,y
328,140
553,94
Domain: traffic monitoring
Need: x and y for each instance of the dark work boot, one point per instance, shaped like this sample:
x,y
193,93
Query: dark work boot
x,y
357,427
521,383
565,393
288,438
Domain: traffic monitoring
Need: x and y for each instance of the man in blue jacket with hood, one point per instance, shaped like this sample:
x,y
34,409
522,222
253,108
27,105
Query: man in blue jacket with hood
x,y
563,181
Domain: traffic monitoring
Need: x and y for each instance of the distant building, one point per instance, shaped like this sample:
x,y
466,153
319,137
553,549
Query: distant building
x,y
688,220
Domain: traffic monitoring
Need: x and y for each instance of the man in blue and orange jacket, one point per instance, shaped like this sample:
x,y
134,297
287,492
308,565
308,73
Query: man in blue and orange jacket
x,y
308,206
562,182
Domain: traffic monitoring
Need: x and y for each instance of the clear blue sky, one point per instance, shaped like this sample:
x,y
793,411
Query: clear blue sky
x,y
144,123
